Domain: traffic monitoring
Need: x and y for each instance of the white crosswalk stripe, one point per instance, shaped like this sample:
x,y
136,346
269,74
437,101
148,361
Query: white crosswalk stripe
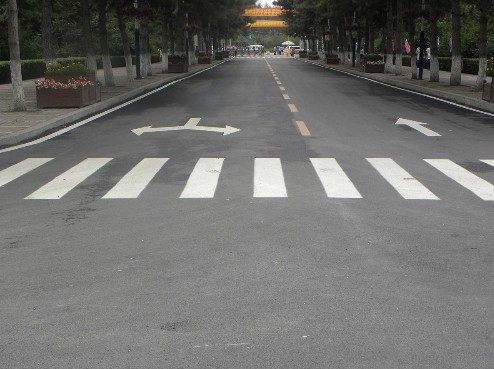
x,y
490,162
470,181
135,181
268,178
203,179
407,186
17,170
334,180
65,182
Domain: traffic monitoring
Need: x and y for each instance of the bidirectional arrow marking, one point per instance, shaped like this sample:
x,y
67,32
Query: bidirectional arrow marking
x,y
192,124
417,126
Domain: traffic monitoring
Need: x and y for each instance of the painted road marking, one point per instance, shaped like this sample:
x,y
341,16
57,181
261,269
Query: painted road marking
x,y
65,182
334,180
470,181
134,182
268,178
304,131
192,124
286,97
407,186
293,108
490,162
282,88
203,180
417,126
15,171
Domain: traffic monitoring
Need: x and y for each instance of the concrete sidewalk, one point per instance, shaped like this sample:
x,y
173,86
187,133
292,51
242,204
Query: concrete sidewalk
x,y
16,127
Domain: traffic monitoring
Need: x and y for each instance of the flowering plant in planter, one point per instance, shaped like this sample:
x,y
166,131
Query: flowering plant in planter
x,y
72,83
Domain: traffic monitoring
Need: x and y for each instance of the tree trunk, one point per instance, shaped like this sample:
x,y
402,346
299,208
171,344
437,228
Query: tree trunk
x,y
86,36
125,41
18,98
105,52
434,62
483,21
144,48
389,36
399,33
164,43
372,37
46,33
455,79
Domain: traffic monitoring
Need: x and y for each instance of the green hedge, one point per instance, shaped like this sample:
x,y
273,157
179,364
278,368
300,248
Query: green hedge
x,y
36,68
30,69
470,65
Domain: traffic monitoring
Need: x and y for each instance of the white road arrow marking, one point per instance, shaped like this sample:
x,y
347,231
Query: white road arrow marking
x,y
417,126
190,125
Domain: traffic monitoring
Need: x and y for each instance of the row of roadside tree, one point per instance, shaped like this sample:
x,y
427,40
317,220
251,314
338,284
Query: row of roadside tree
x,y
95,27
382,26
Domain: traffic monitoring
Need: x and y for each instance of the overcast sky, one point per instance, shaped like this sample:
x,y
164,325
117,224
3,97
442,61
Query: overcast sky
x,y
263,2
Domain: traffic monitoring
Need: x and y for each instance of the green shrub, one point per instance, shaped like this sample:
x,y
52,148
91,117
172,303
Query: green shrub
x,y
373,57
69,68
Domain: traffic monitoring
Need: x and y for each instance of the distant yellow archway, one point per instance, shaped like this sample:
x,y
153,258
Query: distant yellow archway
x,y
273,16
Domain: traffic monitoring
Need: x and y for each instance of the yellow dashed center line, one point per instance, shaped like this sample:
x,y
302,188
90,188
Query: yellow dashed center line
x,y
293,108
304,131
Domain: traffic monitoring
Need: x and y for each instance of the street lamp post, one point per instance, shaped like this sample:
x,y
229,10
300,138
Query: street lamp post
x,y
137,40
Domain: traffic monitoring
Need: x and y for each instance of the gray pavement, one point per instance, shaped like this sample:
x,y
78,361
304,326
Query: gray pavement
x,y
16,127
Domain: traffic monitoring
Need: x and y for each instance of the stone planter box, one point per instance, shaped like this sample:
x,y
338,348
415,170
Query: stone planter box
x,y
313,57
488,92
204,60
62,98
94,91
332,60
218,55
372,68
177,67
302,55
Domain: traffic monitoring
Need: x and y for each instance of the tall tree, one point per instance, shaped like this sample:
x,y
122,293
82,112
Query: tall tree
x,y
455,78
105,52
87,35
389,36
47,33
125,40
485,7
18,97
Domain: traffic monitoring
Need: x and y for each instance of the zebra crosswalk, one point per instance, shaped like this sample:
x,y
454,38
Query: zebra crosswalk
x,y
267,179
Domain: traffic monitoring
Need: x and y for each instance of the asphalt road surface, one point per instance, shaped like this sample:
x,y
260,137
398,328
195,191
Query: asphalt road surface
x,y
313,232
